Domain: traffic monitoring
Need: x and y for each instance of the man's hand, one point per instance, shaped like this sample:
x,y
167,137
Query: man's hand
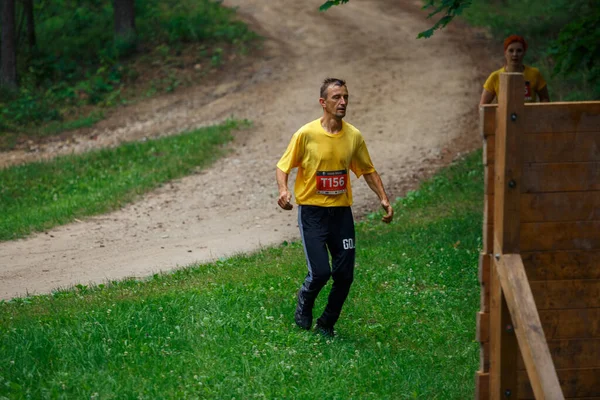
x,y
387,218
284,200
284,194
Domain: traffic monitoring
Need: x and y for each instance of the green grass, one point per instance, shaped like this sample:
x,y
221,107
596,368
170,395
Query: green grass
x,y
226,330
38,196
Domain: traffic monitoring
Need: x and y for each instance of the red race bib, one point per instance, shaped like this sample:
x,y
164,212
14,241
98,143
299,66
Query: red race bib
x,y
528,95
332,182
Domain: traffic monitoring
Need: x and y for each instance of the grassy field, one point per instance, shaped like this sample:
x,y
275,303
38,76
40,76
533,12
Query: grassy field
x,y
38,196
226,330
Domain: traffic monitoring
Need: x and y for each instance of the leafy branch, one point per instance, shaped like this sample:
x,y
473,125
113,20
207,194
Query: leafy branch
x,y
450,8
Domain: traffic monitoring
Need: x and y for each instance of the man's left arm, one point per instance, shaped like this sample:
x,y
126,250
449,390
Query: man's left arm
x,y
374,181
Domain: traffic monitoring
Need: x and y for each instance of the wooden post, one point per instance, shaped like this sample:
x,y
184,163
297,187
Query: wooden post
x,y
528,328
504,350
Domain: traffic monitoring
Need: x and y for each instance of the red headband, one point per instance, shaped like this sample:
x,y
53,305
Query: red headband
x,y
513,39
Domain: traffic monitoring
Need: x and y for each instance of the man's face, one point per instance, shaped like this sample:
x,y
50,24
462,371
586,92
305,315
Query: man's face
x,y
514,54
336,102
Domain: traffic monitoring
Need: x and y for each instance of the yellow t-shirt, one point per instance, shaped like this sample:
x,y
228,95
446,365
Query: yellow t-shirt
x,y
323,160
534,82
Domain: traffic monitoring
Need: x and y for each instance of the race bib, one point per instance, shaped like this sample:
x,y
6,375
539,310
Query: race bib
x,y
528,96
332,182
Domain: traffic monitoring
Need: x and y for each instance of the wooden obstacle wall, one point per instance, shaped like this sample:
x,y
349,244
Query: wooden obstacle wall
x,y
542,204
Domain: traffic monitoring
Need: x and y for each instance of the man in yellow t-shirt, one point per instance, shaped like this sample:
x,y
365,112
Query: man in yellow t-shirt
x,y
324,151
514,51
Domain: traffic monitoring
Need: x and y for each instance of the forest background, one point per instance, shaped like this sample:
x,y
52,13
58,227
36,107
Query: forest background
x,y
64,64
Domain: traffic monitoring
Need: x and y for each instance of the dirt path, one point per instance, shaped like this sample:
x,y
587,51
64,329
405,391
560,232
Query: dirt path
x,y
414,100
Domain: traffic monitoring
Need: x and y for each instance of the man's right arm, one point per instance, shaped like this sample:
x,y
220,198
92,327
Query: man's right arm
x,y
284,195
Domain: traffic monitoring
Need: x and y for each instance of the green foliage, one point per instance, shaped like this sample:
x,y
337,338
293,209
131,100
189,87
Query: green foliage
x,y
450,8
78,62
330,3
225,329
577,49
38,196
564,42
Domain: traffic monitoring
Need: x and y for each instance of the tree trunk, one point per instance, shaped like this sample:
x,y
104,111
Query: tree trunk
x,y
28,5
124,20
8,52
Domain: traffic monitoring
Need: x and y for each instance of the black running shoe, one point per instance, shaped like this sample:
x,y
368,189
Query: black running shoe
x,y
326,331
303,321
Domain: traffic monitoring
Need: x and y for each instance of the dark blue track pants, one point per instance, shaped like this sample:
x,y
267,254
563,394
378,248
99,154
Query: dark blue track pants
x,y
325,231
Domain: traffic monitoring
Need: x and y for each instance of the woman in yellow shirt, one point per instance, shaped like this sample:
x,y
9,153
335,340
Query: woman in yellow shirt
x,y
514,51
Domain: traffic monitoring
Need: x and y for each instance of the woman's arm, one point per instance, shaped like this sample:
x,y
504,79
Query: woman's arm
x,y
486,97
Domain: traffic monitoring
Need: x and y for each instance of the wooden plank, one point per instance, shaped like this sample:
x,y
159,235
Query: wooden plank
x,y
559,147
503,347
508,165
560,206
572,354
482,385
489,175
483,327
489,150
488,224
561,177
575,383
485,298
534,350
487,119
560,295
558,265
485,262
484,356
578,235
571,323
562,117
484,280
488,238
488,209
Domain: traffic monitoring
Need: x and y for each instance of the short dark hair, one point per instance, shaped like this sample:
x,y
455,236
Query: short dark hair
x,y
328,82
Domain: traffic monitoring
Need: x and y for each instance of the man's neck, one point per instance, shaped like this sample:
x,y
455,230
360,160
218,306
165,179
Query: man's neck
x,y
331,124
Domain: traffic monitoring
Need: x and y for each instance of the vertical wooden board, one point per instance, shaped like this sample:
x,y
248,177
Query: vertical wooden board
x,y
562,265
485,263
508,164
559,147
482,385
483,327
560,177
488,224
484,281
487,119
580,323
484,356
488,209
489,149
485,299
562,117
504,350
488,238
488,179
575,383
561,295
560,206
579,235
